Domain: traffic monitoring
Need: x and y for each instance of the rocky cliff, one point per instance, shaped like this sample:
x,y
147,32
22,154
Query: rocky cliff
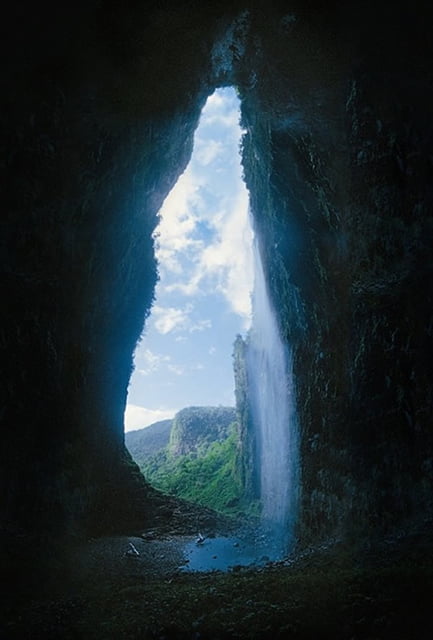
x,y
100,102
336,158
191,428
196,427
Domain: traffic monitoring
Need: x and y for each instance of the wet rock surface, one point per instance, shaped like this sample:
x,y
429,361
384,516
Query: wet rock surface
x,y
330,591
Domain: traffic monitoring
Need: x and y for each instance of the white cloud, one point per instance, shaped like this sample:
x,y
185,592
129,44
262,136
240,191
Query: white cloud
x,y
201,325
137,417
207,151
217,113
176,369
230,258
187,266
189,288
151,361
215,100
178,220
168,319
226,263
229,120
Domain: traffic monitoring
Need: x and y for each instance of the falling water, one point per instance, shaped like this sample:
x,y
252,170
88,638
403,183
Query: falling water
x,y
274,417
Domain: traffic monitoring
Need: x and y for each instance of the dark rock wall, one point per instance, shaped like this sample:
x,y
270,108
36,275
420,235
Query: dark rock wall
x,y
337,160
100,103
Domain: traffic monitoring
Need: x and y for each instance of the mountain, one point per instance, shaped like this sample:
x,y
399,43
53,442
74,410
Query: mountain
x,y
195,428
146,442
193,456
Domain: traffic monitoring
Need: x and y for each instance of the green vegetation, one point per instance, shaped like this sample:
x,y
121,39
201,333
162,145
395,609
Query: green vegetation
x,y
144,443
195,428
207,477
196,457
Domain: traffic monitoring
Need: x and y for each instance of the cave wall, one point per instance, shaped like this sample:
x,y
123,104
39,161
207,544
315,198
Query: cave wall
x,y
337,158
100,104
99,121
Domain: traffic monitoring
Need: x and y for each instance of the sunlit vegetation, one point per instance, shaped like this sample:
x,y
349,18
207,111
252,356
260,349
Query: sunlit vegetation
x,y
208,478
196,458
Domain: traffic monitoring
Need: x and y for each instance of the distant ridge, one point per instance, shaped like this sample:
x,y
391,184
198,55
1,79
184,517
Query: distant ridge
x,y
148,441
193,456
196,428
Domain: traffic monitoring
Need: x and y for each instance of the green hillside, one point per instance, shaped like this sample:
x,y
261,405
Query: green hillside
x,y
195,428
146,442
198,459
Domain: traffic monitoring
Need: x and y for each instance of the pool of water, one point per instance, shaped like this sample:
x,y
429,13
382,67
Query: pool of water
x,y
227,553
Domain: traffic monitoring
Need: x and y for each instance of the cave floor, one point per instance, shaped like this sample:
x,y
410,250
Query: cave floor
x,y
331,592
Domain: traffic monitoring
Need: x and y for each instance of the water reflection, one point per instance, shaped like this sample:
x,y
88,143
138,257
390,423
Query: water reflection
x,y
229,553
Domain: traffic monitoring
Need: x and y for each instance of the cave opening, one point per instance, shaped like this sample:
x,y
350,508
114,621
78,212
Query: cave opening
x,y
100,100
183,383
183,422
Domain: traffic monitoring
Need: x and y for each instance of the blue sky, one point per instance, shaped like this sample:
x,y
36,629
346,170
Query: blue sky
x,y
203,297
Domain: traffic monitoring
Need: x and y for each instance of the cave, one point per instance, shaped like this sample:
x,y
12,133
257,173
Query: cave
x,y
100,104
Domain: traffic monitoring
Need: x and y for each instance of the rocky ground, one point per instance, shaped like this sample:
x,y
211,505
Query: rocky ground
x,y
108,592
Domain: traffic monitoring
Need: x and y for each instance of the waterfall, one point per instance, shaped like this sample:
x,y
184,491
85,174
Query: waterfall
x,y
274,421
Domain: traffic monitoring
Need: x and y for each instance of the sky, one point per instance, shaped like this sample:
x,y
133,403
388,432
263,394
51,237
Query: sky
x,y
203,296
